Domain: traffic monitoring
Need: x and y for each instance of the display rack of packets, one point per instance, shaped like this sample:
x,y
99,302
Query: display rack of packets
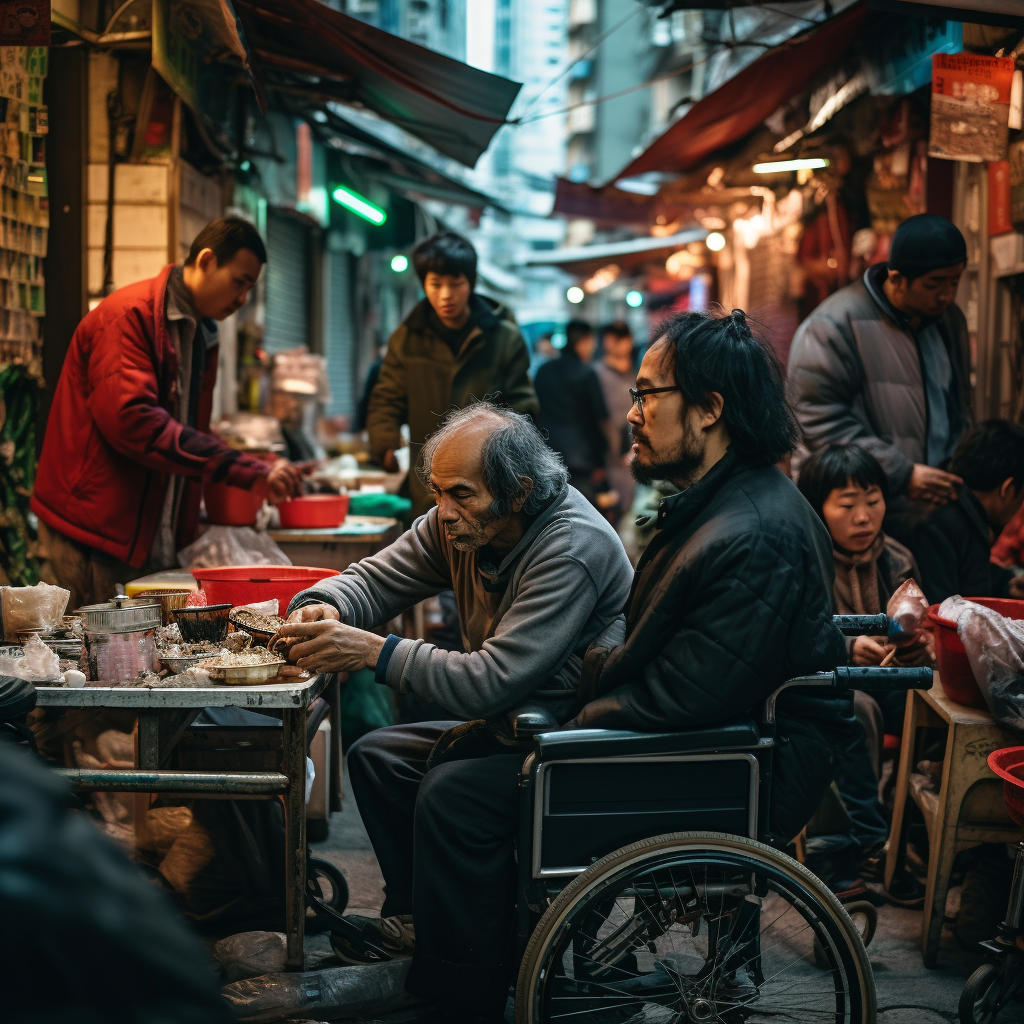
x,y
24,205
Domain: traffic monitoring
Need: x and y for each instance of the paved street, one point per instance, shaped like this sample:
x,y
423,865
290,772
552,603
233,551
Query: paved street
x,y
908,993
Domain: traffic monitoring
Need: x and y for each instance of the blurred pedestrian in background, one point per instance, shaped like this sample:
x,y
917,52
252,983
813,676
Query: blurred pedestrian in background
x,y
573,412
617,373
453,348
885,362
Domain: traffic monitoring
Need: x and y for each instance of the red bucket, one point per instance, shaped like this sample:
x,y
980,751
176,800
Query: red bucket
x,y
247,584
232,506
955,672
313,512
1008,764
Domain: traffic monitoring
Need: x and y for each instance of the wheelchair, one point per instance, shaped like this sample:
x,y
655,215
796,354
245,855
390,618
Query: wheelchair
x,y
647,892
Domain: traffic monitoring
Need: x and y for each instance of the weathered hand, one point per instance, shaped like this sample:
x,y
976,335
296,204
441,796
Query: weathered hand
x,y
918,653
934,485
1017,586
284,481
330,646
868,651
315,613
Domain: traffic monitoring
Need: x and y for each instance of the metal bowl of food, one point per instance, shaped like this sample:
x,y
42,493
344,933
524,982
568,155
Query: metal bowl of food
x,y
181,663
257,666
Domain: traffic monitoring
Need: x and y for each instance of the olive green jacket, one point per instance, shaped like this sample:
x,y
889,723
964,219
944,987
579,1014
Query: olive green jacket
x,y
421,380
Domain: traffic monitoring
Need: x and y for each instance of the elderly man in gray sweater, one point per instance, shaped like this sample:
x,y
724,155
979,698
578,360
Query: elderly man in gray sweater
x,y
538,574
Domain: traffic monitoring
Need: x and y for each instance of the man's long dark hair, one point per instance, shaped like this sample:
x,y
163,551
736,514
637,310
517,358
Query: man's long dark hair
x,y
714,353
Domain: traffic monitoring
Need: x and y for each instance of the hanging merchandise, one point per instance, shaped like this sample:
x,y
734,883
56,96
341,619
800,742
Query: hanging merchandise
x,y
1016,161
24,226
970,106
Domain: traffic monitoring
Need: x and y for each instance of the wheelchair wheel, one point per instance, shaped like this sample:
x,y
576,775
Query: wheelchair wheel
x,y
326,881
695,926
983,995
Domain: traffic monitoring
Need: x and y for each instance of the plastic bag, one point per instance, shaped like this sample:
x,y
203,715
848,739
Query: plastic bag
x,y
32,607
262,607
336,992
907,611
232,545
250,954
995,649
38,663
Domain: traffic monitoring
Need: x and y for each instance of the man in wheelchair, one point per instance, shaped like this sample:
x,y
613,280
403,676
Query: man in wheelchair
x,y
733,596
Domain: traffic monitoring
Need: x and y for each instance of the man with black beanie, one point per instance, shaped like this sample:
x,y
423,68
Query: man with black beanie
x,y
885,362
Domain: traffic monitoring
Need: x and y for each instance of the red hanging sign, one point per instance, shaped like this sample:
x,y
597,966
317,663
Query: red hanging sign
x,y
24,22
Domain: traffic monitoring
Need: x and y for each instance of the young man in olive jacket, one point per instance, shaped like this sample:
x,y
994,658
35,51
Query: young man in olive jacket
x,y
454,348
734,594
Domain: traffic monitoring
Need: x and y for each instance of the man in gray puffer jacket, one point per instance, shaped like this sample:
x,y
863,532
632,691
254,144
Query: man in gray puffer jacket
x,y
885,362
538,574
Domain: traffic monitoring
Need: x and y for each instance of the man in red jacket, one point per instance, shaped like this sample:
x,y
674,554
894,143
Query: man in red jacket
x,y
127,446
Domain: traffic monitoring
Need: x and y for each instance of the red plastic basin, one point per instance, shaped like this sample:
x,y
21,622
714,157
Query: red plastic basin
x,y
314,512
245,584
1008,764
231,506
955,672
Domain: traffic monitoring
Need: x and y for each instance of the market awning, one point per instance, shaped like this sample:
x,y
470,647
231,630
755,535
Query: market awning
x,y
584,259
609,205
981,12
306,49
742,103
305,45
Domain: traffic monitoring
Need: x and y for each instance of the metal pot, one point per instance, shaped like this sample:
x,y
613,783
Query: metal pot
x,y
122,615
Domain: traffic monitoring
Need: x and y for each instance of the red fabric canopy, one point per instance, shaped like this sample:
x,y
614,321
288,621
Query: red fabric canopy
x,y
740,105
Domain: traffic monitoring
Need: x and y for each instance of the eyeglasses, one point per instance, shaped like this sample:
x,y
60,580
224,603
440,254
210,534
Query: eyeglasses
x,y
638,395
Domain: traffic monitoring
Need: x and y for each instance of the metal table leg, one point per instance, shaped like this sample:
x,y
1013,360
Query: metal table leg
x,y
334,787
293,764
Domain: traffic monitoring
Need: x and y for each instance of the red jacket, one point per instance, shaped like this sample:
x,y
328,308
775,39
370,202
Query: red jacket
x,y
114,438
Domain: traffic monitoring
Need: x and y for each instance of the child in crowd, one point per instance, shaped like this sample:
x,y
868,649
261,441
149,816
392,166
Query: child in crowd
x,y
847,487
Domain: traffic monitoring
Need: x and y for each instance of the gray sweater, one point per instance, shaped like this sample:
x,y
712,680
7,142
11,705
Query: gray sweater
x,y
525,623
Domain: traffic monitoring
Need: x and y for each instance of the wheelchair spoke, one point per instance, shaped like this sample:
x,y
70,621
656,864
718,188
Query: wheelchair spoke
x,y
692,937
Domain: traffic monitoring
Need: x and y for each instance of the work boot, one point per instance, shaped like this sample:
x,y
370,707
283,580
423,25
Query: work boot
x,y
395,935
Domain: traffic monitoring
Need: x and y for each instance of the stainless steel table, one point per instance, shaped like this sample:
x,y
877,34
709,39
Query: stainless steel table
x,y
163,717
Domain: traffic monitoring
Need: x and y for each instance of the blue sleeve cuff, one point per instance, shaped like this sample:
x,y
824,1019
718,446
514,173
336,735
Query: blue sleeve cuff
x,y
380,673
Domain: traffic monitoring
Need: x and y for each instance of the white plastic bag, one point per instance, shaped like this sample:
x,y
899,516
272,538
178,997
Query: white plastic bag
x,y
232,545
38,664
995,649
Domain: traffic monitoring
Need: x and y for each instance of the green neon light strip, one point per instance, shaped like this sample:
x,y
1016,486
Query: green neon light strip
x,y
359,205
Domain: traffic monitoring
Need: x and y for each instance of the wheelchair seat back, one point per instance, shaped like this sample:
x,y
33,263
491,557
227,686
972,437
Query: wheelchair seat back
x,y
596,790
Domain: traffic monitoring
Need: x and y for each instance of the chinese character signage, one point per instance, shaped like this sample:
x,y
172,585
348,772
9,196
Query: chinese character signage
x,y
25,23
970,106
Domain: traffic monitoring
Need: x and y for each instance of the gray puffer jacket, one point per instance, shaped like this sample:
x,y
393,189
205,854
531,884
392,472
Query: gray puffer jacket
x,y
856,373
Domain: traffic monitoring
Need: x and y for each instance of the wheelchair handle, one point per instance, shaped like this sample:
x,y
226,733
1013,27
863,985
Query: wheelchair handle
x,y
874,677
863,625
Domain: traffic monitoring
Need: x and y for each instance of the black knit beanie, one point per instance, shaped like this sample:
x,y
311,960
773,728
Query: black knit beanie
x,y
926,242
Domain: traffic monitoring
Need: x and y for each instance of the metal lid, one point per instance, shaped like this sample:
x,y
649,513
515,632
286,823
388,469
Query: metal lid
x,y
122,615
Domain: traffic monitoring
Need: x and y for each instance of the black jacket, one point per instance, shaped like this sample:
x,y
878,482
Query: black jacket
x,y
952,545
572,412
732,598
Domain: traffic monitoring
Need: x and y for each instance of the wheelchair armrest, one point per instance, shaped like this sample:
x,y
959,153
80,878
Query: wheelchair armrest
x,y
531,719
569,744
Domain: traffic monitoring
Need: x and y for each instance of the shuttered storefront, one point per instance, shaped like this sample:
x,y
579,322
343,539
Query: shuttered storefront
x,y
339,336
287,296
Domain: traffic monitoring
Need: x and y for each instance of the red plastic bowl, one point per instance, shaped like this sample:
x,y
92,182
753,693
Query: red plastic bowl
x,y
231,506
246,584
955,672
1008,764
313,512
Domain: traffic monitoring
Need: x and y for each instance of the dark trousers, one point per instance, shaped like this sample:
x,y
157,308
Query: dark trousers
x,y
444,839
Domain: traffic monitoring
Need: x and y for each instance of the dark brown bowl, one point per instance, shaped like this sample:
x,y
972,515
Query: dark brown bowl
x,y
203,622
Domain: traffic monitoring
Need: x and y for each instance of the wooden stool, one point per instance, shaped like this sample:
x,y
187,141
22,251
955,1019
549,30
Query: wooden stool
x,y
968,809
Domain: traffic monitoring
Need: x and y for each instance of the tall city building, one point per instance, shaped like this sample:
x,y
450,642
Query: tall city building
x,y
437,24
